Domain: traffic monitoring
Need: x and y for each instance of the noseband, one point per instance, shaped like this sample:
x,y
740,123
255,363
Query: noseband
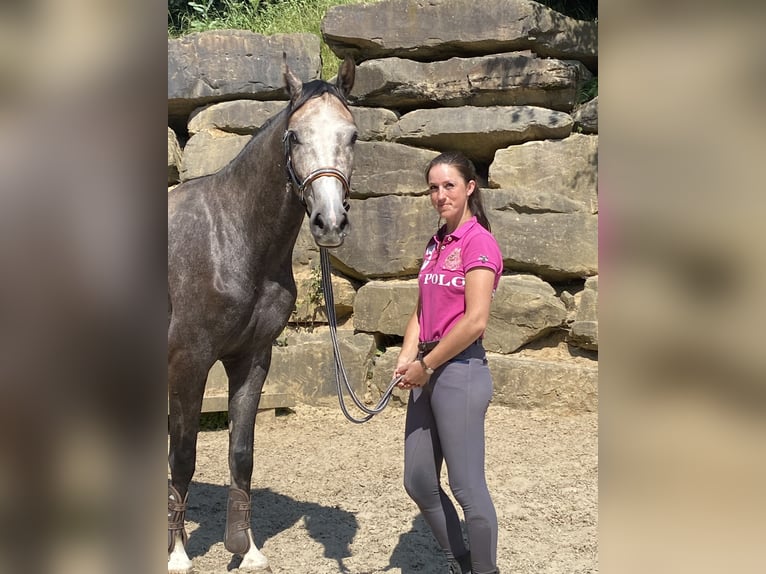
x,y
301,186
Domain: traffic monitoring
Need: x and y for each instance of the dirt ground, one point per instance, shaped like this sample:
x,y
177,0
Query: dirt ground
x,y
328,495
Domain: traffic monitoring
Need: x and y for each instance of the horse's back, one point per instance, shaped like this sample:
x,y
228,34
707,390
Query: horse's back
x,y
186,202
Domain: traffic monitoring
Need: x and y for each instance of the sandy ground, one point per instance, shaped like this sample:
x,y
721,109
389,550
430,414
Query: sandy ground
x,y
328,495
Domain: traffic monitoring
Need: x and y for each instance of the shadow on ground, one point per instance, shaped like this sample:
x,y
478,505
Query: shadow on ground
x,y
272,513
417,551
334,528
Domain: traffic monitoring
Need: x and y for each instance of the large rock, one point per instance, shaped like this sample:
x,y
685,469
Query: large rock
x,y
386,168
303,366
306,251
208,151
524,308
529,201
530,383
439,29
584,330
382,375
586,117
554,246
389,233
372,124
480,131
385,306
510,79
388,237
220,131
310,308
568,167
221,65
244,117
174,157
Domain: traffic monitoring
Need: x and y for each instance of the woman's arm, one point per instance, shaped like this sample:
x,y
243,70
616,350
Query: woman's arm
x,y
479,283
410,344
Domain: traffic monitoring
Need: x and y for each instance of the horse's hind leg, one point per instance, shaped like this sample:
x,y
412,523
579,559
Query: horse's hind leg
x,y
246,378
186,387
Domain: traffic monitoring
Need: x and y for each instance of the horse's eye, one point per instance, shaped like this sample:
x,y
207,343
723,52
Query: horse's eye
x,y
354,137
294,137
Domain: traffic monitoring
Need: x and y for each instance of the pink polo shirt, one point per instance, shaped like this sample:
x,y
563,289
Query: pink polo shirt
x,y
442,275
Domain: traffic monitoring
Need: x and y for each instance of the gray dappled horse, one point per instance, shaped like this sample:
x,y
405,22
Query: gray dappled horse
x,y
230,281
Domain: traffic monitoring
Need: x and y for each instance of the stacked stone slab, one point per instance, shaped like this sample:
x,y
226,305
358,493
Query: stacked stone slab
x,y
497,80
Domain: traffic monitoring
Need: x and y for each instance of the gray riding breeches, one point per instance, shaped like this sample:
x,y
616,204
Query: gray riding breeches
x,y
445,424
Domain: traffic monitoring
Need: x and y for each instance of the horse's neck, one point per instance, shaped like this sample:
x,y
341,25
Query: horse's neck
x,y
258,179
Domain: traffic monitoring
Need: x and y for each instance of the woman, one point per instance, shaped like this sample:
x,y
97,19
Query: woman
x,y
443,361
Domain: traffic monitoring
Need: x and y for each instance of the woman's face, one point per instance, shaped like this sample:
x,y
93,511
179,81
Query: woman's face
x,y
449,192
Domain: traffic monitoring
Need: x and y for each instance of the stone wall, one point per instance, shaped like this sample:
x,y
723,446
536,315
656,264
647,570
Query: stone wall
x,y
498,80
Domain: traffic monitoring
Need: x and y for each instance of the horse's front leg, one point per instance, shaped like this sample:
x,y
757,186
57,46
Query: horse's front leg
x,y
246,378
186,387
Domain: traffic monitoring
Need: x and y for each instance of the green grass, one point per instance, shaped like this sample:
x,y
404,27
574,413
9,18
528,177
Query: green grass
x,y
588,91
578,9
285,17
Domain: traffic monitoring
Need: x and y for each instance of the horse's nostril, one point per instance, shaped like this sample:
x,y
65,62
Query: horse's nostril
x,y
318,221
344,223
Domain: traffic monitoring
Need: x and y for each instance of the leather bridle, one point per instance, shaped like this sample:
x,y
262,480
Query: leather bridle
x,y
300,186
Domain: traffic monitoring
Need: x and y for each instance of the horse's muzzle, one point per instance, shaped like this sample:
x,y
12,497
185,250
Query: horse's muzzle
x,y
329,231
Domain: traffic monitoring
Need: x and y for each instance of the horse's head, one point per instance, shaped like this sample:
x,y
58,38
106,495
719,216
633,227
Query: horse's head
x,y
319,148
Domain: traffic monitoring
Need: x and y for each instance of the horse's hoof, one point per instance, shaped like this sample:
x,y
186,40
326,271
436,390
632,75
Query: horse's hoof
x,y
179,566
179,563
256,564
253,568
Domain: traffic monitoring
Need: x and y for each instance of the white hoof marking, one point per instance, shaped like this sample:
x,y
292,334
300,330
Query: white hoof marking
x,y
178,561
253,560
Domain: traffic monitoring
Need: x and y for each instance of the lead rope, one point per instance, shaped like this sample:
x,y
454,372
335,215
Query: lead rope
x,y
341,378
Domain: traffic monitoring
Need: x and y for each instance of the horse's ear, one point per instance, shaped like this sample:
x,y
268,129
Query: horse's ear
x,y
293,84
345,79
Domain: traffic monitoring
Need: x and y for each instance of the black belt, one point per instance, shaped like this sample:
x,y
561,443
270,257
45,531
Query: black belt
x,y
425,347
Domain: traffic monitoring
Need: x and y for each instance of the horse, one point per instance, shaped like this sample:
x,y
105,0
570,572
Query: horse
x,y
231,289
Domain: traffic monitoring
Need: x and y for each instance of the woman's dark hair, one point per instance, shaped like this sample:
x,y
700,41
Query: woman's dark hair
x,y
468,172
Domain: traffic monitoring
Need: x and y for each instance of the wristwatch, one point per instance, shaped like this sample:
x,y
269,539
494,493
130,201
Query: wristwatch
x,y
426,368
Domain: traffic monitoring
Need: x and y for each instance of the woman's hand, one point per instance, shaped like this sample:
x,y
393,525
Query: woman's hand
x,y
413,375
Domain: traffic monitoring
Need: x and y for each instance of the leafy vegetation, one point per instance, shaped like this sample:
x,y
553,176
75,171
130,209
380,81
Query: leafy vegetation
x,y
260,16
580,9
588,91
213,421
